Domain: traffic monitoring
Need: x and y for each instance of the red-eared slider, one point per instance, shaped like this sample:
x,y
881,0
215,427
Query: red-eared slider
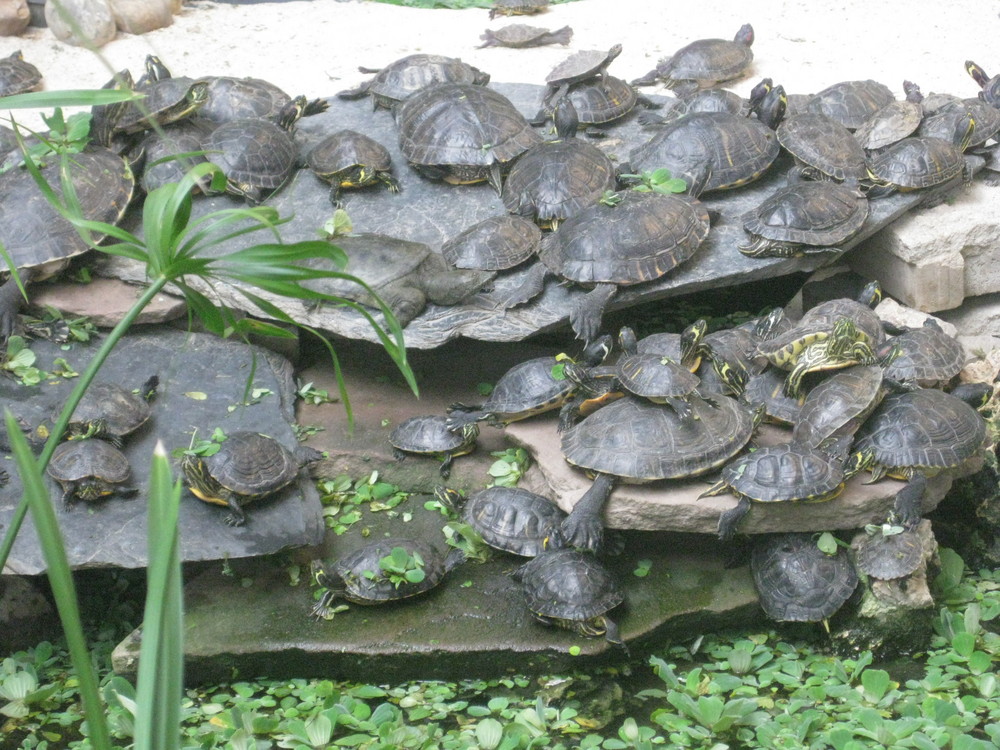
x,y
802,218
349,159
659,379
509,519
228,98
823,146
89,470
767,390
461,133
532,387
736,150
362,578
571,589
555,180
517,7
578,67
729,355
166,99
497,243
927,357
111,411
784,473
949,122
170,153
990,85
39,240
17,75
684,347
839,405
704,62
257,156
519,36
887,553
797,581
406,76
894,121
851,102
432,436
247,467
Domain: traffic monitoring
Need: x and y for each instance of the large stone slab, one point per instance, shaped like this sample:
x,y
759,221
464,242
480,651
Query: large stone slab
x,y
432,212
203,381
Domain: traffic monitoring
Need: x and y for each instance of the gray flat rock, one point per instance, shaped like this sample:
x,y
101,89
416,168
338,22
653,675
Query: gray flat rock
x,y
432,212
112,533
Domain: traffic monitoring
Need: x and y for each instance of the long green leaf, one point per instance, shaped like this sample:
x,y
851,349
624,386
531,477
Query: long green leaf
x,y
66,98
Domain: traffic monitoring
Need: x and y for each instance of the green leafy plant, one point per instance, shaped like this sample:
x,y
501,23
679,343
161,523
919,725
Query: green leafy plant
x,y
655,181
313,395
399,567
19,361
509,467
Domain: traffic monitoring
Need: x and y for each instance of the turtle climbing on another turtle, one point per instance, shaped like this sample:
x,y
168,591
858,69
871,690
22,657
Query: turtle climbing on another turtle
x,y
406,76
583,65
894,121
851,103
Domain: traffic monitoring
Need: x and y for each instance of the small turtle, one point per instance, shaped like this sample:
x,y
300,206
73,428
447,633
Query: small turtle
x,y
112,412
927,357
248,467
520,35
656,378
169,153
349,159
990,85
580,66
825,147
406,76
571,589
684,347
497,243
518,7
166,99
704,62
89,470
362,578
797,581
703,100
783,473
17,75
599,102
894,121
851,103
509,519
432,436
229,98
887,554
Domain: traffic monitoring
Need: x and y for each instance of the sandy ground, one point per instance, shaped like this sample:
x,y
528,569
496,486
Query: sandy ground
x,y
315,46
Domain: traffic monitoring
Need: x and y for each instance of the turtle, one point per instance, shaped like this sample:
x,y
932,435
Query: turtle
x,y
825,147
887,553
766,390
40,241
580,66
949,124
230,98
840,404
248,467
169,153
518,7
684,347
704,62
702,100
606,246
497,243
893,122
783,473
520,35
598,103
404,275
797,581
571,589
431,435
657,378
554,180
89,470
509,519
851,103
989,85
593,387
462,133
804,217
257,156
8,141
927,357
361,578
110,411
165,99
736,150
532,387
17,75
406,76
349,159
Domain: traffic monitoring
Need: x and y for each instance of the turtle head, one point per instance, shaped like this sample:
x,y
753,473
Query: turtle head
x,y
691,338
566,119
858,462
451,499
745,35
596,351
771,108
627,340
871,295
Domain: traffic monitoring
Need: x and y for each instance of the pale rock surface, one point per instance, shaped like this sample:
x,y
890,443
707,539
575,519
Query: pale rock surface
x,y
141,16
105,302
14,17
82,23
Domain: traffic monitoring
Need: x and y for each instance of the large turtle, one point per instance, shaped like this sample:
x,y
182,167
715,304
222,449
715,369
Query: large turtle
x,y
17,75
839,405
497,243
704,62
825,147
89,470
406,76
851,103
229,98
462,133
39,240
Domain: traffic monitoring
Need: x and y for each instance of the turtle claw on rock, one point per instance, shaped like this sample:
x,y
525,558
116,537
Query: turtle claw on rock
x,y
583,527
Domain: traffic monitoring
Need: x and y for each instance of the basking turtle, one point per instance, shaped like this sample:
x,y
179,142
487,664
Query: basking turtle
x,y
111,411
349,159
825,147
406,76
703,100
804,217
168,154
17,75
578,67
851,103
517,7
165,99
990,85
894,121
361,578
767,390
784,473
509,519
40,241
684,347
571,589
797,581
839,405
659,379
248,467
887,554
519,36
602,102
229,98
497,243
704,63
927,357
432,436
89,470
554,180
949,122
462,133
532,387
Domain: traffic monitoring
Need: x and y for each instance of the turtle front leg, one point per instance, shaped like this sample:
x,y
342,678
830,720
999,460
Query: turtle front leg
x,y
583,528
587,312
236,516
908,502
730,519
11,300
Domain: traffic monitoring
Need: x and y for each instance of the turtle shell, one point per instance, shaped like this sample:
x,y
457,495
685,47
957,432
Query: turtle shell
x,y
916,162
581,65
255,155
166,100
120,411
888,556
230,98
186,137
709,61
569,584
640,441
604,101
655,377
252,465
787,472
361,574
851,103
517,7
463,130
926,356
427,434
950,119
519,36
88,469
820,142
798,582
348,158
893,122
493,244
17,75
839,405
512,519
406,76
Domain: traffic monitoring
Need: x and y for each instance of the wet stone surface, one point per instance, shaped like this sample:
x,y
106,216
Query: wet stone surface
x,y
202,382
